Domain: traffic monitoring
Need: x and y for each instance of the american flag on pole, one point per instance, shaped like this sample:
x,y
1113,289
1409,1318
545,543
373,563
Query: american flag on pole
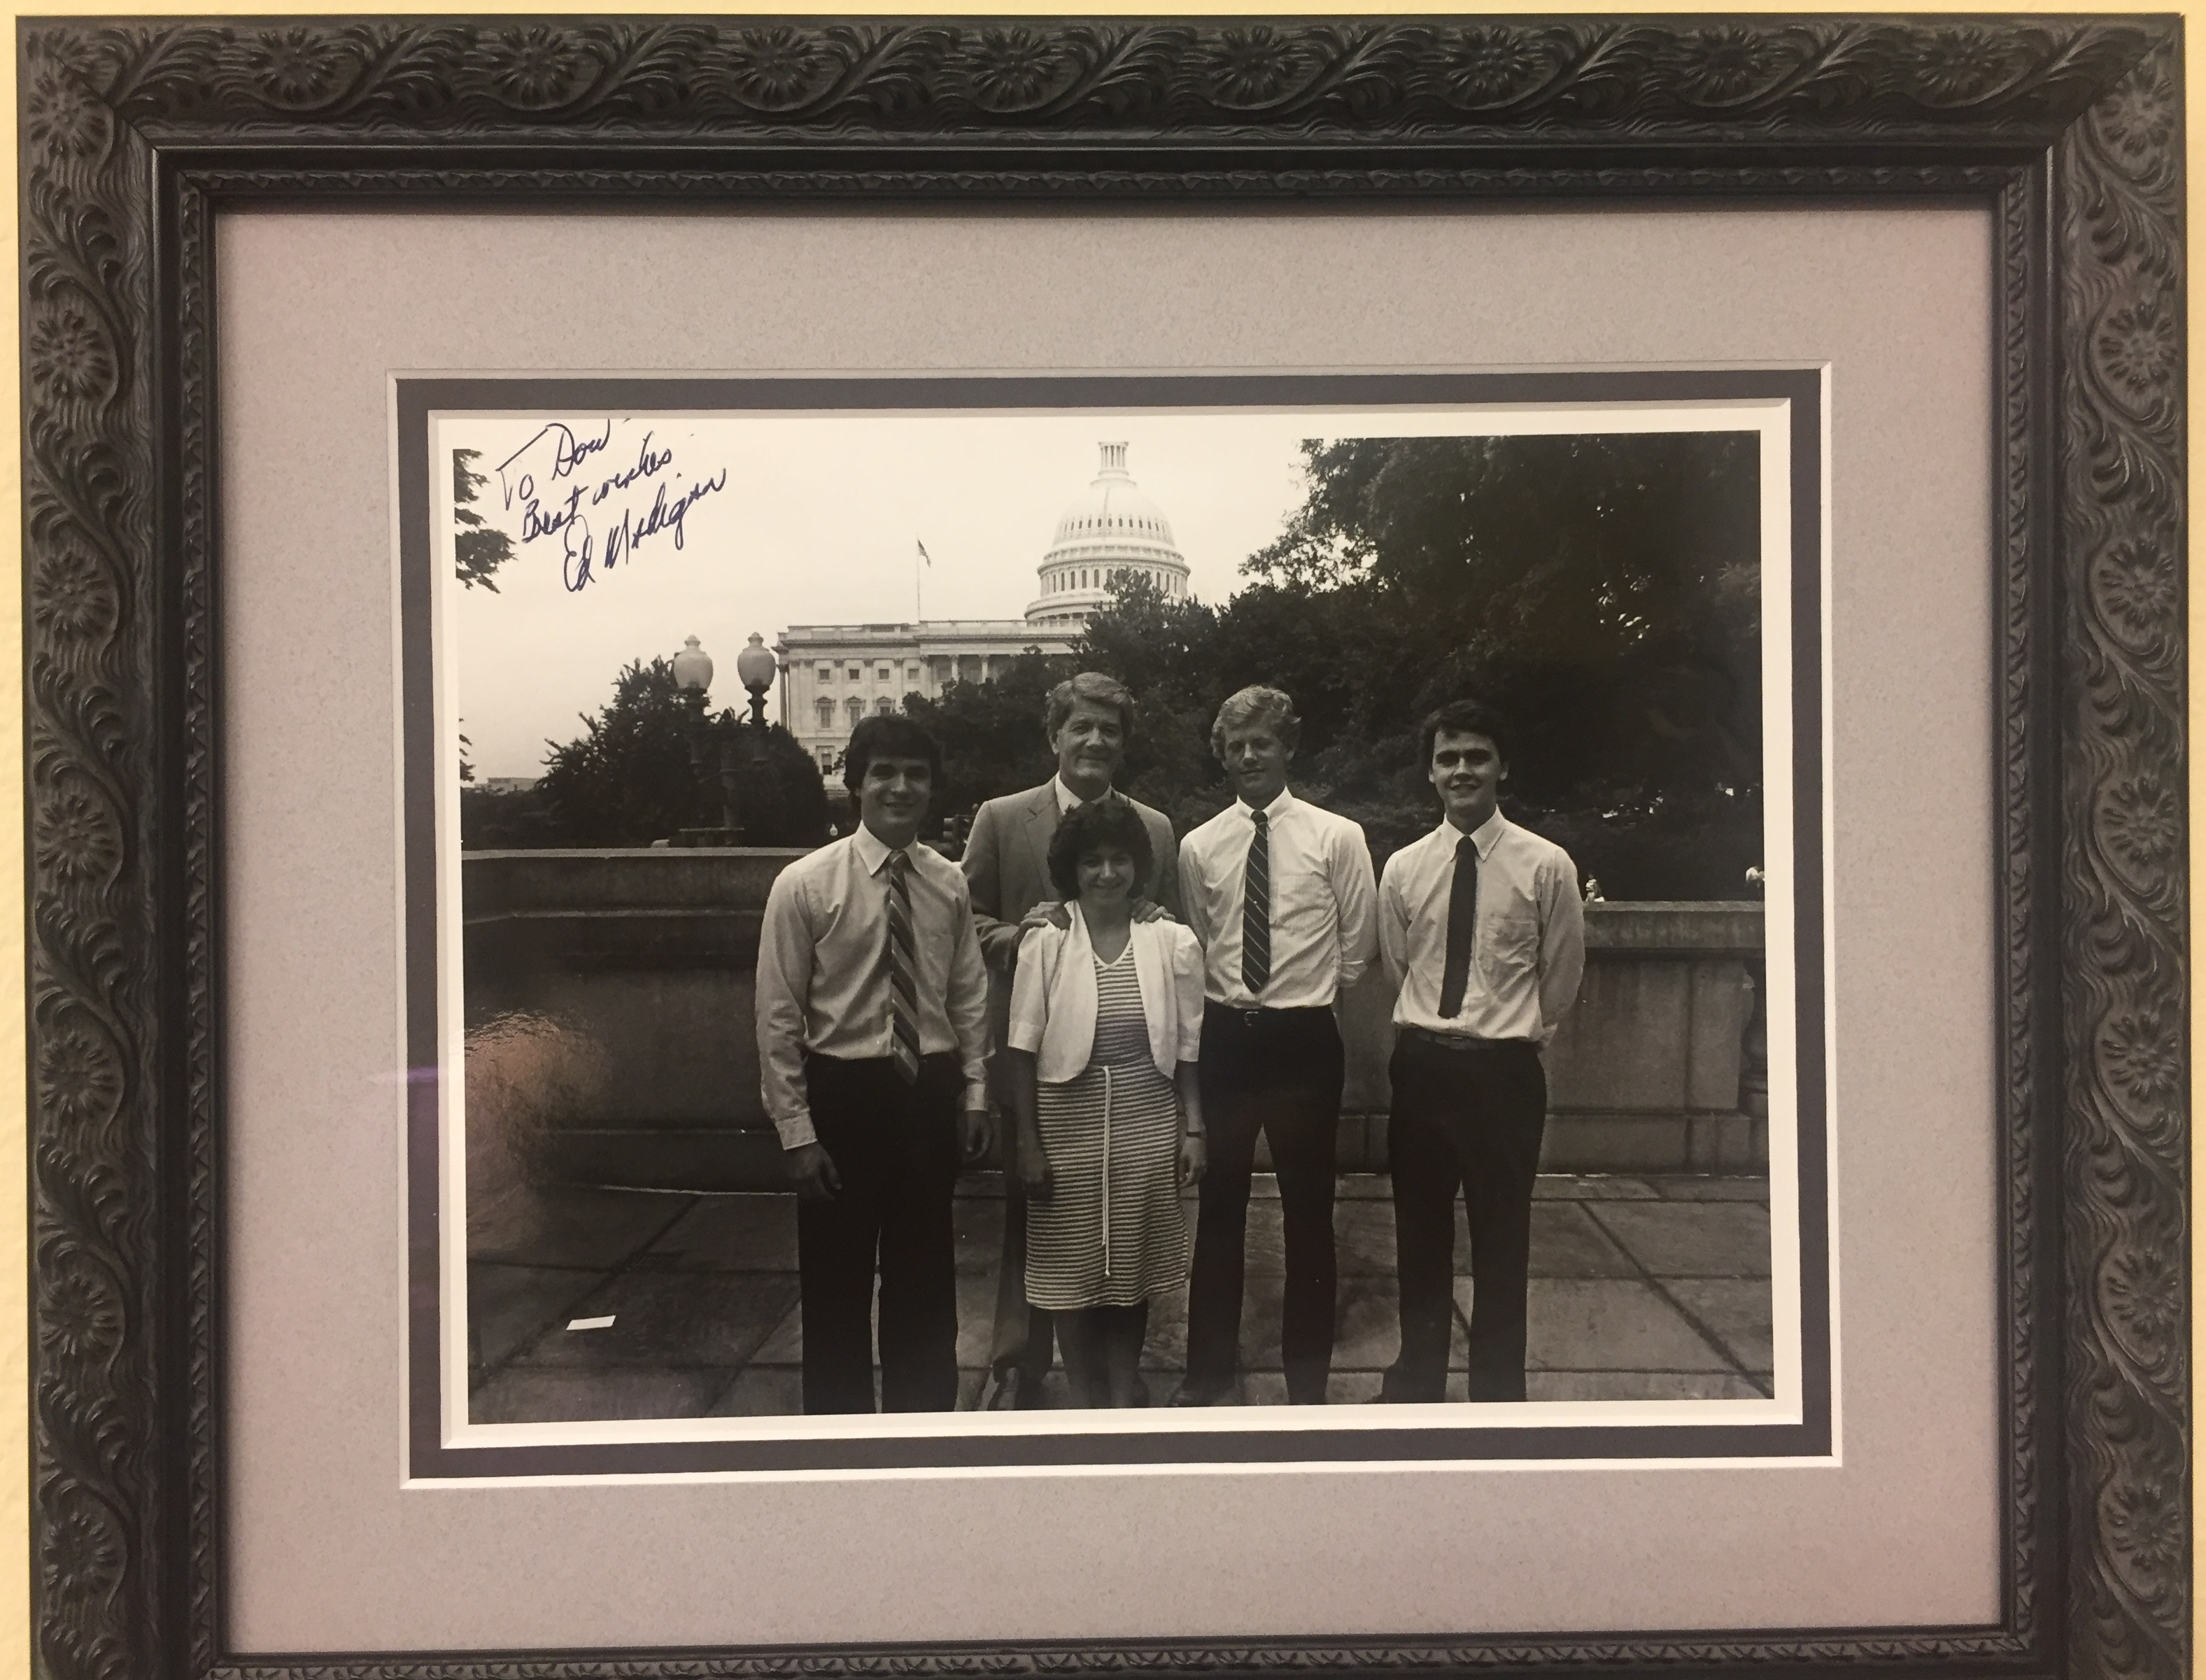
x,y
923,554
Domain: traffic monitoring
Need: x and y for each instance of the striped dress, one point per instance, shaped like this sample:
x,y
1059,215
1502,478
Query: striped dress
x,y
1110,1232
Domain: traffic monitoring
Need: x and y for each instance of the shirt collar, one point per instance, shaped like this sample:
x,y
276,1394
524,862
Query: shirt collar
x,y
1278,808
871,852
1485,836
1069,802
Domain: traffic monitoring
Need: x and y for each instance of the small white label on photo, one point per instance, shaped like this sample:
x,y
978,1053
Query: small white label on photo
x,y
590,1323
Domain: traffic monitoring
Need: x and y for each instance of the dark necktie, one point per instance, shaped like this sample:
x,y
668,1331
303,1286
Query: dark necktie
x,y
904,995
1256,908
1462,927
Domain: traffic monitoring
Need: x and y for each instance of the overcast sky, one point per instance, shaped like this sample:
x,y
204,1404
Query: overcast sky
x,y
816,524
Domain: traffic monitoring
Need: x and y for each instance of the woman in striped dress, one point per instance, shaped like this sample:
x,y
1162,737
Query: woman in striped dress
x,y
1107,1017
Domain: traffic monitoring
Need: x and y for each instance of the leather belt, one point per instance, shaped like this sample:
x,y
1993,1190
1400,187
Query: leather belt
x,y
1459,1041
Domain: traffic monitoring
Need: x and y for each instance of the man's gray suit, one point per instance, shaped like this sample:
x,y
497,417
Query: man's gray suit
x,y
1006,866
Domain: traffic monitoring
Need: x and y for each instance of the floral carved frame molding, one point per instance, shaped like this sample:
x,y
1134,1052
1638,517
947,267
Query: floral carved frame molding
x,y
2069,130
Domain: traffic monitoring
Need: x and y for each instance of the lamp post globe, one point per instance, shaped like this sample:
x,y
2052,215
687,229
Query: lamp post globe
x,y
693,667
756,669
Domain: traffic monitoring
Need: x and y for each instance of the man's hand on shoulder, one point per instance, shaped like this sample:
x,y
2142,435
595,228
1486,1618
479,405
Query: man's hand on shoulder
x,y
811,1169
1147,909
1047,913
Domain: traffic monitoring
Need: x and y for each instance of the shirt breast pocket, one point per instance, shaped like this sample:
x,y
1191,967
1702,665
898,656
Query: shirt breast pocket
x,y
1302,895
1512,944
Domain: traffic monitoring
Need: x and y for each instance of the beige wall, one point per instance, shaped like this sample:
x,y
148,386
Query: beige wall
x,y
14,1489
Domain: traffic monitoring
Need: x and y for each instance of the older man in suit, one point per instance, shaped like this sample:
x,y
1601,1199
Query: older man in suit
x,y
1006,866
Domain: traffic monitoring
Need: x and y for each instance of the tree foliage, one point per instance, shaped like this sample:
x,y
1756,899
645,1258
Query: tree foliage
x,y
991,733
482,547
1602,591
631,777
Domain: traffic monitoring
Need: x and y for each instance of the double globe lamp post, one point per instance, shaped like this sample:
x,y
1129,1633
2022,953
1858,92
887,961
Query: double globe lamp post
x,y
729,747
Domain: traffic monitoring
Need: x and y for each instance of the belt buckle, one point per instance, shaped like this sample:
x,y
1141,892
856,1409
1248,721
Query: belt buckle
x,y
1251,1017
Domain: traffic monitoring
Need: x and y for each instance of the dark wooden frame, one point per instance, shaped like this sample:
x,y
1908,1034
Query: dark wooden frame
x,y
2069,130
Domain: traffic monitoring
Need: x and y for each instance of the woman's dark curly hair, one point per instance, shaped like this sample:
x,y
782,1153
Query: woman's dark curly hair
x,y
1091,828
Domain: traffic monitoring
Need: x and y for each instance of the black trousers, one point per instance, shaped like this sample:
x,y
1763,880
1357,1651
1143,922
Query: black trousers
x,y
1469,1118
896,1149
1276,1071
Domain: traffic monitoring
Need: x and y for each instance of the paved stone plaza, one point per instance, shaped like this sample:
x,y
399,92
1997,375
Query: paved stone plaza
x,y
1642,1287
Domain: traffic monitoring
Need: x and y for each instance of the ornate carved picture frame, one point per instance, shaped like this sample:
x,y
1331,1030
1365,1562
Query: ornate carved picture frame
x,y
136,136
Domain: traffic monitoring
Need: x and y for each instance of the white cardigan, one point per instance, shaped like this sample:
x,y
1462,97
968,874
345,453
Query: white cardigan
x,y
1054,996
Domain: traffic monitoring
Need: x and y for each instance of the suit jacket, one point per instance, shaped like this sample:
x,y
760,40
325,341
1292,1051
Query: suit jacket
x,y
1006,866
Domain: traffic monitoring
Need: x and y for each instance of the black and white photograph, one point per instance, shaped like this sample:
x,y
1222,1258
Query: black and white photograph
x,y
1160,920
1094,844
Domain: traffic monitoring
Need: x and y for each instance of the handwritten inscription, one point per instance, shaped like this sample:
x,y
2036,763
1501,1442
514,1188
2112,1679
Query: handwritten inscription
x,y
564,484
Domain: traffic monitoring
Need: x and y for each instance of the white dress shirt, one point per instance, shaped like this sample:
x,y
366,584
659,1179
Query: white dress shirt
x,y
823,973
1528,939
1054,998
1321,902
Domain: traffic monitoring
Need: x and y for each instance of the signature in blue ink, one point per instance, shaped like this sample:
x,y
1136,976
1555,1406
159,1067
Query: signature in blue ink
x,y
632,532
560,450
545,477
648,461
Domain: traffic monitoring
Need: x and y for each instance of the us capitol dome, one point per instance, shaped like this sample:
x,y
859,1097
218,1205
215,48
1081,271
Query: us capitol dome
x,y
1112,530
832,674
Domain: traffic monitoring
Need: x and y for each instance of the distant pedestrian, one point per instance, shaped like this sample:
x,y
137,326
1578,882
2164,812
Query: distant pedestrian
x,y
1481,927
873,1032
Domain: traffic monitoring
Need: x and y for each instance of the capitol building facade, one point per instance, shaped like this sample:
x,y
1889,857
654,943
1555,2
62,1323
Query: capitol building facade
x,y
832,674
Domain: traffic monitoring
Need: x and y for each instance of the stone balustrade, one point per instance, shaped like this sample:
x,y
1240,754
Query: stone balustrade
x,y
645,957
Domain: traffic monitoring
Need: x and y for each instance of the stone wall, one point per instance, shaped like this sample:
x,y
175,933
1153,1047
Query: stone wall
x,y
645,957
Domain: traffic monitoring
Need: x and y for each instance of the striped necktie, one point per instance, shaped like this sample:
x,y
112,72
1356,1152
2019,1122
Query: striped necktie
x,y
903,995
1256,908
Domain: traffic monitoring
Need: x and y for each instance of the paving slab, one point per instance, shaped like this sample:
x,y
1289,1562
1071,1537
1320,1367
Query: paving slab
x,y
1260,1321
1264,1247
761,1390
1683,1239
979,1224
509,1306
1736,1311
1363,1237
1604,1323
525,1395
1165,1346
1591,1187
1639,1385
735,1231
1567,1243
1343,1388
976,1316
1367,1324
784,1343
681,1320
1712,1186
570,1225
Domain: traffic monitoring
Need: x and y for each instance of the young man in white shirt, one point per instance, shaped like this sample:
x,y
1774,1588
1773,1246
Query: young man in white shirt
x,y
1006,863
873,1031
1279,891
1481,927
